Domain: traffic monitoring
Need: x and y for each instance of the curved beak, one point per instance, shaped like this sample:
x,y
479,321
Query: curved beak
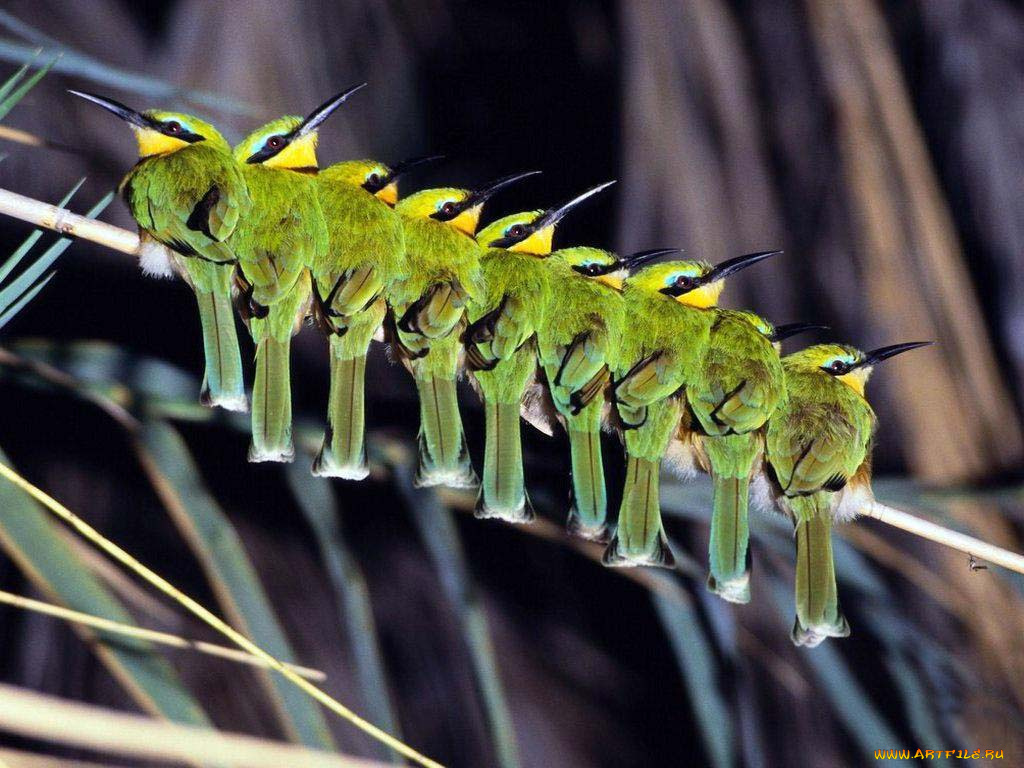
x,y
407,165
127,114
325,110
553,216
634,260
884,353
484,194
732,266
783,332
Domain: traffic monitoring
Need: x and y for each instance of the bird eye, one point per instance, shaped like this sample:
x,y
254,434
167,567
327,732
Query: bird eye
x,y
449,209
593,269
275,142
172,127
373,179
837,366
516,230
684,281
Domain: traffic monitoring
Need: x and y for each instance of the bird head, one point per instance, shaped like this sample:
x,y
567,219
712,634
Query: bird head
x,y
376,178
604,266
159,132
532,231
693,283
776,334
458,208
290,142
848,364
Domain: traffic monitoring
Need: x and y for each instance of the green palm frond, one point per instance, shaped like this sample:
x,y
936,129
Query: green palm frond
x,y
14,90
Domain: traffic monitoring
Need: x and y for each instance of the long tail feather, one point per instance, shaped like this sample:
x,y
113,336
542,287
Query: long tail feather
x,y
223,381
272,403
503,491
443,451
729,551
818,615
343,453
640,538
587,514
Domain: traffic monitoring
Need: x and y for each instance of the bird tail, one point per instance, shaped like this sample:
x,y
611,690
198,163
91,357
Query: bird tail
x,y
272,402
503,491
729,548
589,497
343,453
640,538
818,615
443,451
223,382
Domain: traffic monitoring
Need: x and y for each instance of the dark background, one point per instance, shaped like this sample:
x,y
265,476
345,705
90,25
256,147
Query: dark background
x,y
880,144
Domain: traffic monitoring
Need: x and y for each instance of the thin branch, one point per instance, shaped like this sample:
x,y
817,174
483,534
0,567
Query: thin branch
x,y
71,224
942,535
150,635
37,716
194,607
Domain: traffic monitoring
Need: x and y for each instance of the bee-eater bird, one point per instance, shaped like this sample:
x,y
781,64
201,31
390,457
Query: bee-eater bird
x,y
668,324
500,348
366,253
430,315
737,386
276,245
576,346
187,192
819,464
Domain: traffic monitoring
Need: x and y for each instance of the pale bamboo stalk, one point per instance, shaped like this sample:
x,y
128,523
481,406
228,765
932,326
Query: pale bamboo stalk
x,y
38,716
208,617
942,535
15,758
149,635
70,224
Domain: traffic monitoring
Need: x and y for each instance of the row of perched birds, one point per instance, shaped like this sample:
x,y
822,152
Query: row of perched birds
x,y
579,336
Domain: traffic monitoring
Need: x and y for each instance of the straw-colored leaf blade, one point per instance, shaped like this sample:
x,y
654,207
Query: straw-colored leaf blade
x,y
232,576
33,541
318,505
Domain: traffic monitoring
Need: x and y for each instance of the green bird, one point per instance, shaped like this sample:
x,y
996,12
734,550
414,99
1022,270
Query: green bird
x,y
819,464
669,312
501,352
429,310
738,385
276,246
576,346
187,193
365,255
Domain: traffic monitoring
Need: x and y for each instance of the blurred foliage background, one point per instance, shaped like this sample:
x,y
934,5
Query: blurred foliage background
x,y
880,144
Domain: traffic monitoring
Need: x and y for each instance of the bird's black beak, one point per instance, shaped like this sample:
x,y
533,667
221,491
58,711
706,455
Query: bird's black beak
x,y
407,165
490,190
635,260
732,266
553,216
127,114
884,353
783,332
398,170
317,117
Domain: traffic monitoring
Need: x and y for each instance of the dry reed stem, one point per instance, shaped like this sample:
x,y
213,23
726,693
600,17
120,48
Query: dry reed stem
x,y
160,583
38,716
148,635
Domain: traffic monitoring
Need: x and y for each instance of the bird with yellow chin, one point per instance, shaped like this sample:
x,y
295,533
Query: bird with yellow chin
x,y
501,349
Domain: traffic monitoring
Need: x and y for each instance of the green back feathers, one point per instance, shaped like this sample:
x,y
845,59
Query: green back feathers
x,y
362,229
